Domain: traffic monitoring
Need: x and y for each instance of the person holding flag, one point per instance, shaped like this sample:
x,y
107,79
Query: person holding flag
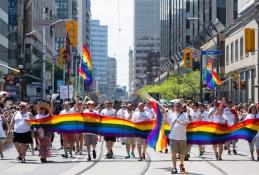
x,y
178,122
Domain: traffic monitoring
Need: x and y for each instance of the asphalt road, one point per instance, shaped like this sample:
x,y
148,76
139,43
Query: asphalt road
x,y
155,164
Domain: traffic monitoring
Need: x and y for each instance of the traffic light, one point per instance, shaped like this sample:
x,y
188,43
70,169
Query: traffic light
x,y
61,56
187,57
249,39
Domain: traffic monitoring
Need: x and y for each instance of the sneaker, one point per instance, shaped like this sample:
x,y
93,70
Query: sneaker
x,y
111,152
89,158
229,152
166,150
133,154
225,147
109,156
182,169
65,155
235,152
174,171
94,154
2,155
201,153
144,156
127,157
257,158
80,153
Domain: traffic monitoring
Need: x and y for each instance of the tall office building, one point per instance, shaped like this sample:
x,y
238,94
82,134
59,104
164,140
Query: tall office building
x,y
99,51
192,23
3,39
112,76
146,38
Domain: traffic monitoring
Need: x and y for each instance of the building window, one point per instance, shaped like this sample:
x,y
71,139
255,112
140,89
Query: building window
x,y
227,55
232,53
236,50
188,6
241,48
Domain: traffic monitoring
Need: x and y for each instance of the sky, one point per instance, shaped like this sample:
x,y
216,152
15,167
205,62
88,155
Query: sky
x,y
117,14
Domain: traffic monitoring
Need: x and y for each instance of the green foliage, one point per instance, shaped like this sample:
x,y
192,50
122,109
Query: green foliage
x,y
187,88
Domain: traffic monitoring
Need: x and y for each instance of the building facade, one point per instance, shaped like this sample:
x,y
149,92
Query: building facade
x,y
4,42
241,68
146,39
112,77
99,53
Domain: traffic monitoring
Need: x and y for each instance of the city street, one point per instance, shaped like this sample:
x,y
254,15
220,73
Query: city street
x,y
156,163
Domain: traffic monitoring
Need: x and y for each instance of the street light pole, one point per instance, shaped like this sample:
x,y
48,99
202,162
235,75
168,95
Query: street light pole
x,y
201,82
44,58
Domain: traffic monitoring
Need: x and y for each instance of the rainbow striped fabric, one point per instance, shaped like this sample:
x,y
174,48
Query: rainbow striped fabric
x,y
212,78
86,68
157,138
197,132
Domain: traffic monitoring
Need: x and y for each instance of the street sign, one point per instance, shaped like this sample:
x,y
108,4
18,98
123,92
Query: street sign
x,y
64,92
211,52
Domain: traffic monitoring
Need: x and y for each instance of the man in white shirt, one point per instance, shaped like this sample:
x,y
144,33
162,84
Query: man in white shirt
x,y
120,114
178,140
140,116
109,111
150,110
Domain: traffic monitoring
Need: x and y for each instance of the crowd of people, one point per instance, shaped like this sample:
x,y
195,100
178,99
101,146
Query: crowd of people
x,y
14,127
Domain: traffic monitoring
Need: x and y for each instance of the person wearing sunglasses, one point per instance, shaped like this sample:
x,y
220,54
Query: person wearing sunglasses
x,y
178,121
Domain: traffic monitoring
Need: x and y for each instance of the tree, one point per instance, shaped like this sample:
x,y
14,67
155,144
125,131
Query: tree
x,y
188,87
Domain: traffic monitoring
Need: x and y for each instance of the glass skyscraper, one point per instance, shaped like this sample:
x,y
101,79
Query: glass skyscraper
x,y
99,51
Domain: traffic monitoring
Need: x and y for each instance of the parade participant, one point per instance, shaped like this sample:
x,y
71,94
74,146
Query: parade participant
x,y
90,139
29,110
130,141
21,131
230,115
44,136
195,115
243,112
150,110
218,118
204,116
3,127
140,116
78,108
68,139
178,122
253,114
109,111
120,114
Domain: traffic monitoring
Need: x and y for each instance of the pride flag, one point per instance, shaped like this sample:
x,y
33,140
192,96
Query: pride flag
x,y
157,138
212,78
86,68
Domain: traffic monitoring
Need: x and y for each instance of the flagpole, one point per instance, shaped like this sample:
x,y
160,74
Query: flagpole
x,y
53,65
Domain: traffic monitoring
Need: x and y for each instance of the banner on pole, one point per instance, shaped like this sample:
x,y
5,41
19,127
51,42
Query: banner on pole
x,y
64,91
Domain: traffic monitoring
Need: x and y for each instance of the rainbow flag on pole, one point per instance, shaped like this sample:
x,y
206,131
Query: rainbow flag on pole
x,y
157,138
212,78
86,69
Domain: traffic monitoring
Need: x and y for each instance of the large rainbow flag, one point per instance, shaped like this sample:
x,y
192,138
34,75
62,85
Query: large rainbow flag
x,y
197,132
157,138
86,68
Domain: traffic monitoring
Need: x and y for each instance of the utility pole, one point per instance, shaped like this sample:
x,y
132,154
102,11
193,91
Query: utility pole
x,y
53,64
45,11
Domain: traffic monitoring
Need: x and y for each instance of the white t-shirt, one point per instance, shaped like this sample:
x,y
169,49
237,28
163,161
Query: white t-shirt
x,y
141,116
195,116
87,111
64,111
127,115
20,122
109,112
41,116
252,116
178,131
218,119
204,116
120,113
151,111
2,132
229,117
